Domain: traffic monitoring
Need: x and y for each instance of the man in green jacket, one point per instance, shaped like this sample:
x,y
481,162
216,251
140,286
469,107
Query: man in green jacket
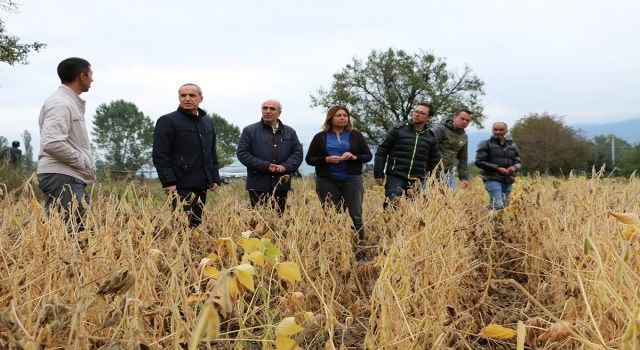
x,y
453,145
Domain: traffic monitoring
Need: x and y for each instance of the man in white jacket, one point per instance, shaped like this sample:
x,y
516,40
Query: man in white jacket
x,y
65,162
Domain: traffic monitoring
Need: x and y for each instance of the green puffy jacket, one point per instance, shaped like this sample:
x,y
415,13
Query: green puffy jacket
x,y
453,144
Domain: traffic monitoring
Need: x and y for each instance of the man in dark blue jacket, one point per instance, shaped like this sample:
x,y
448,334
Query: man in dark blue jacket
x,y
272,154
184,153
499,159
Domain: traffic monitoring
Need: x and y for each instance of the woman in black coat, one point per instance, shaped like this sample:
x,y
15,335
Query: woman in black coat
x,y
338,152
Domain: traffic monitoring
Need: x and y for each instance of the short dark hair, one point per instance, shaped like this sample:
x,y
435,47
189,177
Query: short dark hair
x,y
71,67
428,105
15,144
464,110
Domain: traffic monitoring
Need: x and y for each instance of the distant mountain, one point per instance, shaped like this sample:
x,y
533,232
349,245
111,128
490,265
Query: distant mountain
x,y
628,130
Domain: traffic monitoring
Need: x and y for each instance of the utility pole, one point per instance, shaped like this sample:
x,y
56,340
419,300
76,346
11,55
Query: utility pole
x,y
613,150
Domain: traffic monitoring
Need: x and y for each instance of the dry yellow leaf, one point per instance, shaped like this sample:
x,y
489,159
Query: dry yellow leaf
x,y
257,257
210,271
227,245
249,244
289,271
496,331
232,289
208,321
285,343
213,257
244,273
308,315
626,218
288,327
213,321
246,234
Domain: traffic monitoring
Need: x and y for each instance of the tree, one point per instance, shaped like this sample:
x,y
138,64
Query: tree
x,y
601,148
631,161
227,136
382,91
4,143
27,160
549,146
11,50
125,135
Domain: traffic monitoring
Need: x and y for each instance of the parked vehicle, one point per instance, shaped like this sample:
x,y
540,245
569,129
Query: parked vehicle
x,y
233,171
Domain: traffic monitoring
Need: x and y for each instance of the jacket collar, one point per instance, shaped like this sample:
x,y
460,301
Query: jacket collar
x,y
201,113
496,140
449,124
280,125
67,91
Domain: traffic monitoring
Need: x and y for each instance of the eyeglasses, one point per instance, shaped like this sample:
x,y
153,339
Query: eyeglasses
x,y
421,113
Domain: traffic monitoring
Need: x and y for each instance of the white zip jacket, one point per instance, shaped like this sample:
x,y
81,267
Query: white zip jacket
x,y
64,141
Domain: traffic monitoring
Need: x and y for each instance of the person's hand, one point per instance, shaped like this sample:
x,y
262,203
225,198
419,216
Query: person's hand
x,y
348,156
276,168
380,181
333,159
170,189
512,169
214,186
502,171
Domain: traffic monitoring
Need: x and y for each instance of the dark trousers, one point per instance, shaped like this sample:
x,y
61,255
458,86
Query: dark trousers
x,y
277,199
65,194
347,193
192,203
396,186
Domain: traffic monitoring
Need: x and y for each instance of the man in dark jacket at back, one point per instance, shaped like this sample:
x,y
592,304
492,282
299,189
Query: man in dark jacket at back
x,y
184,153
12,155
499,160
409,151
272,154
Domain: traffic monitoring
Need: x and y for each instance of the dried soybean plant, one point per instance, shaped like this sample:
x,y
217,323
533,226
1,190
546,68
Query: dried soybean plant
x,y
554,270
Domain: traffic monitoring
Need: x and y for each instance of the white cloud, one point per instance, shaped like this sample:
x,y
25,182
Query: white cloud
x,y
575,58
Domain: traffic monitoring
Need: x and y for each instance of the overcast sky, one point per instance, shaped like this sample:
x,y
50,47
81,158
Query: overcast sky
x,y
578,59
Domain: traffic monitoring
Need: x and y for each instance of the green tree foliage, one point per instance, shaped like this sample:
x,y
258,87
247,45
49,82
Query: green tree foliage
x,y
381,91
12,51
630,161
4,143
601,148
124,135
227,136
549,146
27,159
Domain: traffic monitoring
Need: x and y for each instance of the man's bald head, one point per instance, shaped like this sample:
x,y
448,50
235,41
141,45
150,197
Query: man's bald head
x,y
499,129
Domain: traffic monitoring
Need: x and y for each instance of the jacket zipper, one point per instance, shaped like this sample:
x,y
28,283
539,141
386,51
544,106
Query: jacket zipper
x,y
415,146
